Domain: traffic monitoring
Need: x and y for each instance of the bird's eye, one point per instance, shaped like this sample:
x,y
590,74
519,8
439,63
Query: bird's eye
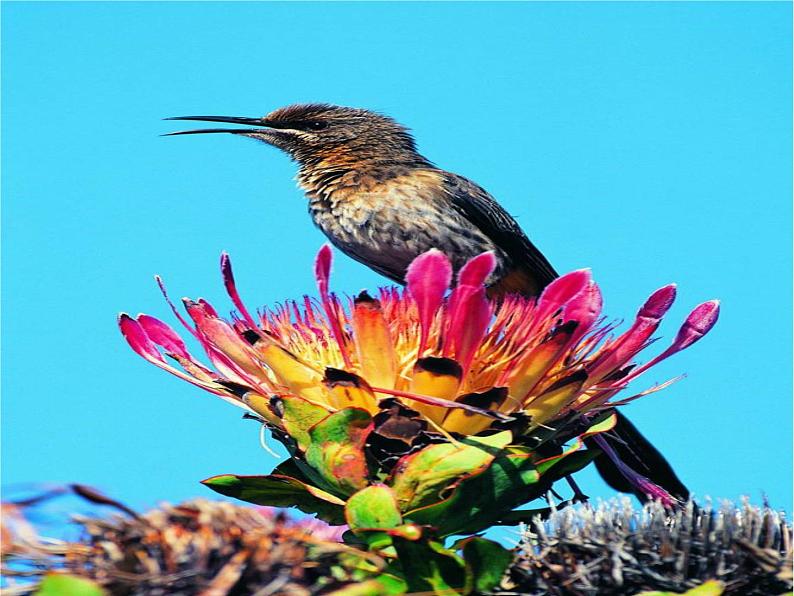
x,y
316,125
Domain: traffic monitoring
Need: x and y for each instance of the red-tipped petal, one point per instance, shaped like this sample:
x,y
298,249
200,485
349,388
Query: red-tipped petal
x,y
322,268
231,289
467,323
625,347
220,334
584,308
428,278
560,291
136,337
208,308
477,269
469,311
699,322
228,352
139,341
163,335
322,271
658,303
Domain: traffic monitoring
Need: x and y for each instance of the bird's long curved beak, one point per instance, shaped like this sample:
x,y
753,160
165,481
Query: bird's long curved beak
x,y
260,122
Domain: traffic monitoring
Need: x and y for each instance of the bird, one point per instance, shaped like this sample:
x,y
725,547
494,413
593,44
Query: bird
x,y
381,202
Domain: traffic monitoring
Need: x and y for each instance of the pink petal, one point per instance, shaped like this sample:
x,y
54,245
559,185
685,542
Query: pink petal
x,y
208,308
322,271
467,324
564,288
217,331
699,322
658,303
584,308
625,347
139,341
477,270
469,311
163,335
231,289
556,295
428,278
322,268
227,351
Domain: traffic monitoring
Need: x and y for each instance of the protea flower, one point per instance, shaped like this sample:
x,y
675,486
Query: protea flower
x,y
432,405
456,357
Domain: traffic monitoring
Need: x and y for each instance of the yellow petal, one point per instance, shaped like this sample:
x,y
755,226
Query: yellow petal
x,y
301,379
349,390
374,346
436,377
261,405
537,363
221,335
469,423
558,396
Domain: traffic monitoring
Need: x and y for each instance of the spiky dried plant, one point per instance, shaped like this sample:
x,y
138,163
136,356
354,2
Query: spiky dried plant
x,y
615,549
197,547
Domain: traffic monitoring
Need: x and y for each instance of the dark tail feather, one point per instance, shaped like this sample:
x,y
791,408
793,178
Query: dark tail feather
x,y
637,453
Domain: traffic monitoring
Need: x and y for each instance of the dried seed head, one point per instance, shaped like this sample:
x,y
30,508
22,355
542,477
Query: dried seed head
x,y
615,549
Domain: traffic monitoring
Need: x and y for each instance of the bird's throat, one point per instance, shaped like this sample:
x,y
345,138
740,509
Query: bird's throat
x,y
335,177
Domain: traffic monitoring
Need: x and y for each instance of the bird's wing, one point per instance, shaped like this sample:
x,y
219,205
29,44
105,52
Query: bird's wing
x,y
490,217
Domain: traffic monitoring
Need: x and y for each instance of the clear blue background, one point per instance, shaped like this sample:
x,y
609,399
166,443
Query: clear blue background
x,y
651,142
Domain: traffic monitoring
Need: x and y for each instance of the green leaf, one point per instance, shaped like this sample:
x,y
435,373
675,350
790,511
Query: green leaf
x,y
280,491
421,478
429,567
480,501
372,508
568,464
486,561
371,511
57,584
297,468
299,416
336,449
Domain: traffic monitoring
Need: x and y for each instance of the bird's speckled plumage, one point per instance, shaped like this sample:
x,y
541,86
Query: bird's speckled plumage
x,y
391,223
383,204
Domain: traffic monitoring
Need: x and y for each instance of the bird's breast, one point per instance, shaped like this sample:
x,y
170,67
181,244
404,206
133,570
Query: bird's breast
x,y
386,225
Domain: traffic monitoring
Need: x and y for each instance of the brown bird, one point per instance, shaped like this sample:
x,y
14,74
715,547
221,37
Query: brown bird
x,y
382,203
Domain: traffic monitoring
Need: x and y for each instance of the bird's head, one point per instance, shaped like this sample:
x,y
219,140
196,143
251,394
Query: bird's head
x,y
315,133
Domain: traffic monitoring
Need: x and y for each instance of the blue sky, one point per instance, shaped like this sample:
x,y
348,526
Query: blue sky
x,y
651,142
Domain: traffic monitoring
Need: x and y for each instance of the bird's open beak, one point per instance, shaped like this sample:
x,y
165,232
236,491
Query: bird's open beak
x,y
259,122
